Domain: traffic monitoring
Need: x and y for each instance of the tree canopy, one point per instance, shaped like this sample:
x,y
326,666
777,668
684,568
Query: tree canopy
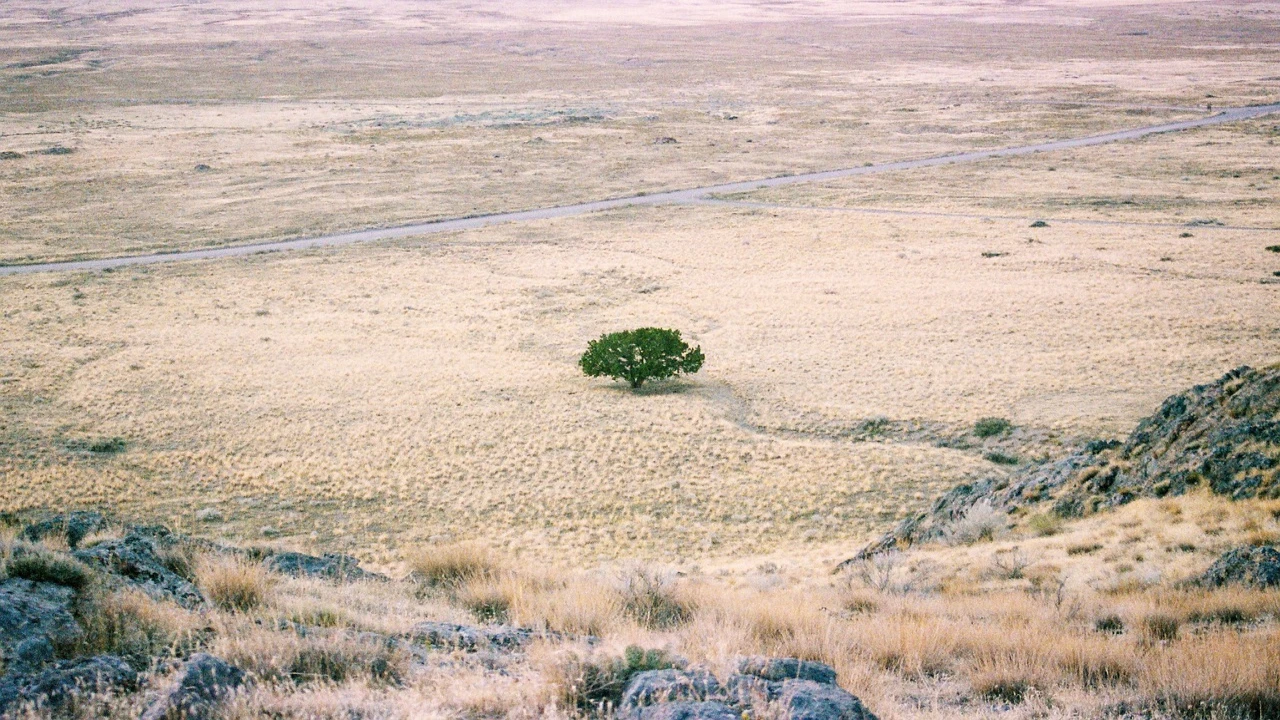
x,y
639,355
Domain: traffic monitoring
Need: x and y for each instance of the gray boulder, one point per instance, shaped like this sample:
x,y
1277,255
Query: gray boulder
x,y
1247,565
73,526
35,610
202,685
32,654
688,711
134,560
56,686
654,687
330,565
779,669
808,700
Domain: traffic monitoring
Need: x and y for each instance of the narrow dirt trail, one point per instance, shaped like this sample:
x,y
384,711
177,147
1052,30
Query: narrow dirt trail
x,y
691,195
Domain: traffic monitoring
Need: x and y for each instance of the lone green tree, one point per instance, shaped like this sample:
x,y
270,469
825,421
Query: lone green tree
x,y
639,355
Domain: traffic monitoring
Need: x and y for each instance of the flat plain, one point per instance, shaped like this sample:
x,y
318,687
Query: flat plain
x,y
385,397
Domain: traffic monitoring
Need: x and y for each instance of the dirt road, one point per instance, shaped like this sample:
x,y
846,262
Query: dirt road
x,y
673,197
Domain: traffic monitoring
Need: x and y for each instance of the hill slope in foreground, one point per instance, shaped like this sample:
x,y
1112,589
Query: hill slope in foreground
x,y
1083,588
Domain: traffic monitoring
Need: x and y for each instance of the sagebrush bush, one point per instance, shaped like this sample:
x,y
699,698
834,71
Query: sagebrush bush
x,y
136,627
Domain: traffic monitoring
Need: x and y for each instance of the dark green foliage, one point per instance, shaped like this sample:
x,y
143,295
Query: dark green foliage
x,y
598,684
10,155
640,355
991,426
109,445
39,565
1039,224
1110,624
1000,458
1273,248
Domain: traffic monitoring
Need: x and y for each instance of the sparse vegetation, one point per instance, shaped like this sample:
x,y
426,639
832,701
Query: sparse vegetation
x,y
36,563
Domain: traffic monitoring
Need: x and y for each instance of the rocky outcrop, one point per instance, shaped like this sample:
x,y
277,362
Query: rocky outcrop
x,y
332,566
203,684
1248,566
1224,435
134,560
72,526
58,685
31,610
787,688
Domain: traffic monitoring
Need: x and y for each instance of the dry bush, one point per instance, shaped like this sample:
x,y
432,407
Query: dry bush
x,y
234,584
981,523
651,599
36,562
449,566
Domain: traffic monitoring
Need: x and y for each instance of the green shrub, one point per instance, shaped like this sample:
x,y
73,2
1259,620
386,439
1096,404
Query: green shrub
x,y
596,685
1110,624
1160,627
1039,224
991,427
1000,458
1045,524
1273,248
39,565
640,355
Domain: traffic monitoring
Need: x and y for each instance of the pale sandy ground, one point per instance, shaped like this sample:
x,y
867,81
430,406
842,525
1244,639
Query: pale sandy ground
x,y
328,118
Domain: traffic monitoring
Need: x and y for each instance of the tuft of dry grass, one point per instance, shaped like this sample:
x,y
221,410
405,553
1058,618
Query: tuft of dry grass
x,y
451,566
234,584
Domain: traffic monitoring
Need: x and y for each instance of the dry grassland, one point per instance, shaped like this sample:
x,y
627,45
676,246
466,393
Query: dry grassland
x,y
332,117
1082,623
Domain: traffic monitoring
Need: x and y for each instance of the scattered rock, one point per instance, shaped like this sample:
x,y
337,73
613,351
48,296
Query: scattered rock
x,y
57,150
56,686
665,686
779,669
708,710
329,565
36,610
203,683
134,560
665,141
1248,565
808,700
469,637
203,168
749,690
72,526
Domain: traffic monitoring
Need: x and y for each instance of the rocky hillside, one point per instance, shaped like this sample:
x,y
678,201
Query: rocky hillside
x,y
1224,435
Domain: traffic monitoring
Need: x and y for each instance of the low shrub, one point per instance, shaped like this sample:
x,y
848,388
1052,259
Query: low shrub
x,y
132,625
1110,624
991,427
596,684
1161,628
1045,524
40,565
1000,458
109,446
649,598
